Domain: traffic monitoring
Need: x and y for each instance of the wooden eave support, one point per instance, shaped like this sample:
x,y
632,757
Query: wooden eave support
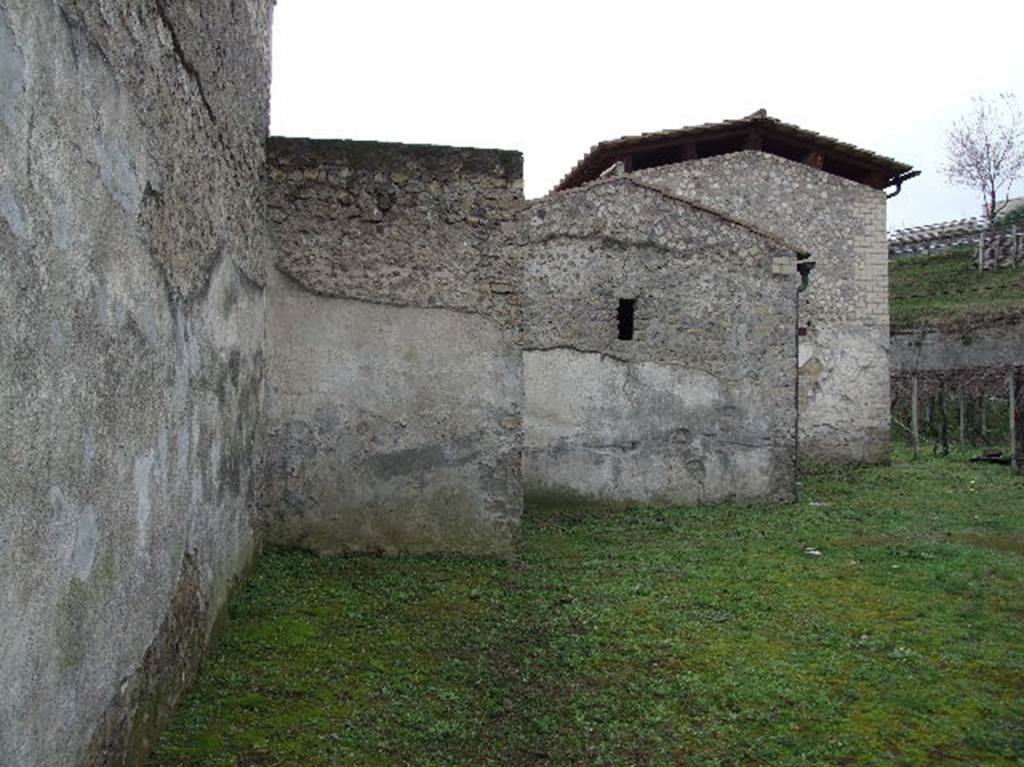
x,y
756,137
876,178
815,158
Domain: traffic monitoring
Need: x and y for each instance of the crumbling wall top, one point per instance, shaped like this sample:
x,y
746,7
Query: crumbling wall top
x,y
401,224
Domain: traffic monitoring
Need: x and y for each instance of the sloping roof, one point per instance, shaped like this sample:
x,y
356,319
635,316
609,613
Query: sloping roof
x,y
755,131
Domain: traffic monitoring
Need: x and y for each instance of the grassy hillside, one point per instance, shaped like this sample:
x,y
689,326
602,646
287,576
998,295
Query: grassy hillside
x,y
946,289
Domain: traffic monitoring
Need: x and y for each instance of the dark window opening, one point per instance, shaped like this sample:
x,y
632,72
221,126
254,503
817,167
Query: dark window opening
x,y
626,306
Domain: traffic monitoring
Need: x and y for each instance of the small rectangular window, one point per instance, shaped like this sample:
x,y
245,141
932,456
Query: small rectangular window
x,y
626,306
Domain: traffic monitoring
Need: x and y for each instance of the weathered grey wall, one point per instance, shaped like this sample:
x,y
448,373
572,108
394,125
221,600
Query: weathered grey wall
x,y
844,368
975,347
701,404
394,416
131,262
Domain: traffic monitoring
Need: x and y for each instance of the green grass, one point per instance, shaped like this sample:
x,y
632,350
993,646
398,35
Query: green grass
x,y
704,636
946,290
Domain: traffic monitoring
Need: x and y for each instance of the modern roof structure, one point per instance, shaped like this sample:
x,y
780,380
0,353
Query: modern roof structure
x,y
756,131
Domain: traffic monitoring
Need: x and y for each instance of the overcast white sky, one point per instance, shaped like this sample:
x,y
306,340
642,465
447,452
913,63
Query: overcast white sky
x,y
552,78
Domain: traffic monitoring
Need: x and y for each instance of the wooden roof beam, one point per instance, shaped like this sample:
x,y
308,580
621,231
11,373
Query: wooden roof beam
x,y
815,158
876,178
821,153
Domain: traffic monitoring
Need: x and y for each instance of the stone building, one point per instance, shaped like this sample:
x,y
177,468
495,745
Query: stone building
x,y
660,351
968,363
826,198
188,373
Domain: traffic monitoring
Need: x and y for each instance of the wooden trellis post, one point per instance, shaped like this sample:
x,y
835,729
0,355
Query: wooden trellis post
x,y
963,419
940,405
913,414
1016,420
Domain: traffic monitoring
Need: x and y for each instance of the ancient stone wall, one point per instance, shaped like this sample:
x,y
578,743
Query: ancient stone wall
x,y
844,370
394,418
974,347
968,365
132,247
699,405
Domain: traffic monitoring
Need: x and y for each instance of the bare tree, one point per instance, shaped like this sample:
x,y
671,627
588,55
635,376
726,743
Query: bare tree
x,y
985,150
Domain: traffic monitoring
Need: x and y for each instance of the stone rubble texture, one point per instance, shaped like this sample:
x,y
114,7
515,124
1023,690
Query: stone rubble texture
x,y
700,405
844,368
179,385
394,419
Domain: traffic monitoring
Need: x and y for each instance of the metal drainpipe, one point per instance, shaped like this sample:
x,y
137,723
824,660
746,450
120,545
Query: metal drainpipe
x,y
899,182
804,267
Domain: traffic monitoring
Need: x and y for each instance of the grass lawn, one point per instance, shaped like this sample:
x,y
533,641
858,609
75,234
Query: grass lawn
x,y
946,290
880,621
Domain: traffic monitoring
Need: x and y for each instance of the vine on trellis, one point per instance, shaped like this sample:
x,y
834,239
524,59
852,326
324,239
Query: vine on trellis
x,y
970,391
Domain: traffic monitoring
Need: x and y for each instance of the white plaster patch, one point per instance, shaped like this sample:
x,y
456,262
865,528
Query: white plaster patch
x,y
197,490
806,351
150,325
89,448
57,334
161,445
117,312
214,467
691,389
84,554
569,393
11,211
120,177
61,225
57,501
141,474
122,163
783,265
12,73
182,447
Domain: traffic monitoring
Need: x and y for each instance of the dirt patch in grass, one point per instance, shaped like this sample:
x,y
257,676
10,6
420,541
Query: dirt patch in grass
x,y
1013,542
